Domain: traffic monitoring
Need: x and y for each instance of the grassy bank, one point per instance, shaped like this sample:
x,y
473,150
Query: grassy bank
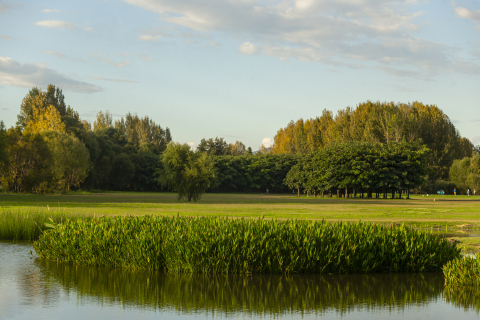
x,y
218,245
29,223
446,212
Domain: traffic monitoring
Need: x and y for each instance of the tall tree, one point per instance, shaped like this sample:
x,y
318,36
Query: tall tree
x,y
188,173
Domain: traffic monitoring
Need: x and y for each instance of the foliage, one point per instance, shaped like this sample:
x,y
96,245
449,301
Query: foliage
x,y
357,166
29,165
465,173
41,100
123,170
216,245
462,274
252,174
45,119
383,123
29,224
219,147
70,160
188,173
78,157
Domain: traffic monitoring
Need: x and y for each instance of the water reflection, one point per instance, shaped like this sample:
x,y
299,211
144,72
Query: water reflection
x,y
257,294
33,288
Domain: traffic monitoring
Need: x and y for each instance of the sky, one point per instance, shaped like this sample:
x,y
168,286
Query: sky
x,y
241,69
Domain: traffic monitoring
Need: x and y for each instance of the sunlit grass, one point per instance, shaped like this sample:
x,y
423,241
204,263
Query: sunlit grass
x,y
422,212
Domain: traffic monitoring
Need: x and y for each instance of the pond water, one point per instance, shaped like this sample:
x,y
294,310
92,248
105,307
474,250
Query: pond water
x,y
34,288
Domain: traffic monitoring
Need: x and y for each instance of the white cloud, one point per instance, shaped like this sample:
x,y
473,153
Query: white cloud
x,y
192,145
98,56
51,11
465,13
29,75
475,140
267,142
149,38
5,37
61,56
248,48
114,80
55,24
351,33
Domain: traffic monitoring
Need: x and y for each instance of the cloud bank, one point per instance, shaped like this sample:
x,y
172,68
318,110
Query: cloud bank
x,y
341,33
28,75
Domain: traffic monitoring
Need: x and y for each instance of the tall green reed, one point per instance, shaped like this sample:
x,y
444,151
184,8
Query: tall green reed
x,y
219,245
462,273
28,224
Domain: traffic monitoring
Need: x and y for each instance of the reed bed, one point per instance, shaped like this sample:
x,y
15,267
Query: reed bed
x,y
220,245
29,224
462,274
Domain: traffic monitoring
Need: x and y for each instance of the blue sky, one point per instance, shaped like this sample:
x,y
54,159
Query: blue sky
x,y
242,69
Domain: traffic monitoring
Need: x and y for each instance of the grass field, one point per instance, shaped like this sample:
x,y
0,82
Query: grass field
x,y
438,212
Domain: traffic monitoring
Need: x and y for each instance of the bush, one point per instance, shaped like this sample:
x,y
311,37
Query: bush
x,y
218,245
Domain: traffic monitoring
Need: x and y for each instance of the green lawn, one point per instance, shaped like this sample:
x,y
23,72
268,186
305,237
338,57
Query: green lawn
x,y
444,213
450,211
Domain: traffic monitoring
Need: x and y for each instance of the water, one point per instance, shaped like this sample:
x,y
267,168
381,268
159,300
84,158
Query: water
x,y
34,288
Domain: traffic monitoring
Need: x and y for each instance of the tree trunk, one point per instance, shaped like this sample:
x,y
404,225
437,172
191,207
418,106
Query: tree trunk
x,y
354,193
315,193
393,194
408,193
338,193
308,193
298,192
346,192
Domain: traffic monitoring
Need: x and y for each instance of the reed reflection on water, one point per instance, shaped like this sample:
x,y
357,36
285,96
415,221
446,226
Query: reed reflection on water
x,y
255,294
49,284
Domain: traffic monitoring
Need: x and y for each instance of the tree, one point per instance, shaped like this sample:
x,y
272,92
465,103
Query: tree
x,y
123,170
103,121
236,149
70,158
36,98
214,147
29,165
465,173
45,119
188,173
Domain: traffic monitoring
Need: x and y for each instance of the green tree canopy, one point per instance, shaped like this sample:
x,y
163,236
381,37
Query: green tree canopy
x,y
188,173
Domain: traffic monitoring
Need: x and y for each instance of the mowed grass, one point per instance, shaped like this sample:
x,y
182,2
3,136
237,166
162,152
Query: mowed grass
x,y
420,211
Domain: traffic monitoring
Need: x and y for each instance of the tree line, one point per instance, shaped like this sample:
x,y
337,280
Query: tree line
x,y
380,122
346,169
52,150
376,147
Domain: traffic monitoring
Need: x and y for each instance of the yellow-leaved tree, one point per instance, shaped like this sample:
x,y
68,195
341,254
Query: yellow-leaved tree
x,y
45,119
